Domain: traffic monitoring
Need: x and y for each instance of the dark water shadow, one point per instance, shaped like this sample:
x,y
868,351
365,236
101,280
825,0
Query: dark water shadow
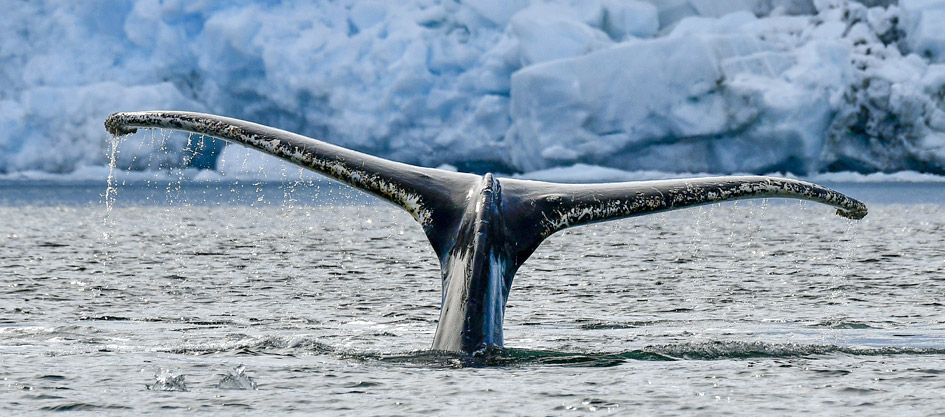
x,y
516,357
709,351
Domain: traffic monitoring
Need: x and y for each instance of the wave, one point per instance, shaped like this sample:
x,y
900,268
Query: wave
x,y
308,345
267,345
76,406
707,351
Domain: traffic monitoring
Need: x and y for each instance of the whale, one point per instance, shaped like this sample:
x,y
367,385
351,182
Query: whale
x,y
482,227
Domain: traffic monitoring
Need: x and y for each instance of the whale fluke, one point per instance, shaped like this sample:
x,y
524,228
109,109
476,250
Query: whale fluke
x,y
415,189
482,229
545,208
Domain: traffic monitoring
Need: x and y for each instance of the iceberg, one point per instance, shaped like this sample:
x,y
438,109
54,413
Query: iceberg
x,y
517,86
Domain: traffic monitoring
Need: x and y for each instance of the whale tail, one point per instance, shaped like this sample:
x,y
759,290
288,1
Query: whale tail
x,y
425,193
541,209
482,229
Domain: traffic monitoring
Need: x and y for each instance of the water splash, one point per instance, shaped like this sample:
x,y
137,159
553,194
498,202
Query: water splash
x,y
110,189
237,379
167,381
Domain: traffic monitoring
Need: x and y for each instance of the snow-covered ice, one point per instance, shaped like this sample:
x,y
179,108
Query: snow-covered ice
x,y
715,86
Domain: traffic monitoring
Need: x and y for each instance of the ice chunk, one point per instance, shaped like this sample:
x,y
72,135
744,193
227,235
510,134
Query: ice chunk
x,y
673,85
624,98
623,19
367,13
60,128
730,23
546,33
672,11
496,11
924,23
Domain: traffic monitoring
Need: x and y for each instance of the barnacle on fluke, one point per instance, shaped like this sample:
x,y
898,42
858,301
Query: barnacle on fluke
x,y
482,228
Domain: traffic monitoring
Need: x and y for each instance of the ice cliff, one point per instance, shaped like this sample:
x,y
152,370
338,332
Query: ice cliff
x,y
503,85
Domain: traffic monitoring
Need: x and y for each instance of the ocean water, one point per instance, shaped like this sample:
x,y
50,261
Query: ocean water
x,y
299,298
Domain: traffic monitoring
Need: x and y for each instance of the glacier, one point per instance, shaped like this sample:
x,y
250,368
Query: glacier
x,y
513,86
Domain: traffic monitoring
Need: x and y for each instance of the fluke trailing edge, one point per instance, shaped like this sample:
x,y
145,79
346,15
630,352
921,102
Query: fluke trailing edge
x,y
481,228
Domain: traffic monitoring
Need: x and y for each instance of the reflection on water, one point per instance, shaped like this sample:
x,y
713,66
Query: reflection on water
x,y
271,298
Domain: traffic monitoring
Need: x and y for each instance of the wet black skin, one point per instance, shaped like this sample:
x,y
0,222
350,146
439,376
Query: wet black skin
x,y
482,229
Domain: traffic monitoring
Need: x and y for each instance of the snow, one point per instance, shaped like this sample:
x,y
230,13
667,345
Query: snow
x,y
670,86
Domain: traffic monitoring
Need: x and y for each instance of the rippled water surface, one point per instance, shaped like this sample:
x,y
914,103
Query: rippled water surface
x,y
268,298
